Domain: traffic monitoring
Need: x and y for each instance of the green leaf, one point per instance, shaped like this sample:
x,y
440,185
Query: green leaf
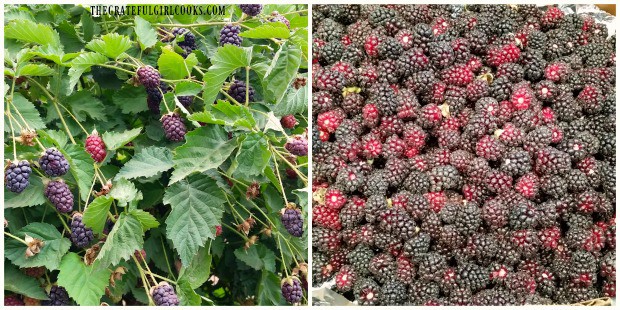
x,y
17,282
96,214
148,162
125,238
34,70
173,66
54,247
28,112
69,37
130,99
114,140
147,220
125,192
253,155
57,137
258,257
31,32
187,296
31,196
111,45
84,104
199,270
205,148
146,34
88,26
187,88
294,102
85,284
196,205
267,31
225,113
81,64
268,289
81,167
282,71
227,59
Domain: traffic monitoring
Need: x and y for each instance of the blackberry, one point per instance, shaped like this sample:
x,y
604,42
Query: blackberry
x,y
96,147
174,128
251,9
237,91
186,101
389,48
441,54
393,293
397,221
421,292
431,266
292,221
516,162
16,176
417,182
58,296
417,247
163,294
189,39
60,196
367,292
376,183
331,52
522,216
81,235
468,219
359,258
297,145
53,163
329,30
148,76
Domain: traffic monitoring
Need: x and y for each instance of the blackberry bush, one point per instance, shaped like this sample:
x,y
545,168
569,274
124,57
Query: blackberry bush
x,y
480,141
161,147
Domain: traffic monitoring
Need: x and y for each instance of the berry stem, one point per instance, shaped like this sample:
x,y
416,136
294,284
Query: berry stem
x,y
244,237
301,175
90,192
16,238
53,99
247,85
161,277
163,246
145,265
63,221
144,281
12,133
164,99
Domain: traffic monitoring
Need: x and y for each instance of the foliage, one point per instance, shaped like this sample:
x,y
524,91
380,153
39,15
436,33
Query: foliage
x,y
186,204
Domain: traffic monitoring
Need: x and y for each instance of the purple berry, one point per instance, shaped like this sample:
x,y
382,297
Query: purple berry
x,y
53,163
277,17
292,221
16,176
230,35
58,296
163,295
186,101
291,290
298,145
174,128
60,196
81,235
237,91
251,9
148,76
188,40
13,300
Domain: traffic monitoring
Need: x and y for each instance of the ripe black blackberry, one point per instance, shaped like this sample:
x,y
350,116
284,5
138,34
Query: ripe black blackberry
x,y
376,183
251,9
53,163
329,30
148,76
16,176
81,235
59,195
331,52
390,48
230,35
393,293
292,221
58,296
359,258
174,128
237,91
441,54
189,39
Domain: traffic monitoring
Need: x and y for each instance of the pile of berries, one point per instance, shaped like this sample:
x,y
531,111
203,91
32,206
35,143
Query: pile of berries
x,y
463,155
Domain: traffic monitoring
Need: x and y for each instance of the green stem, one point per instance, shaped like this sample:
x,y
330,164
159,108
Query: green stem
x,y
16,238
62,119
163,247
244,237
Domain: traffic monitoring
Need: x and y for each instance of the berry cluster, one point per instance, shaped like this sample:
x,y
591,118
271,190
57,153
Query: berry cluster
x,y
463,155
188,43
